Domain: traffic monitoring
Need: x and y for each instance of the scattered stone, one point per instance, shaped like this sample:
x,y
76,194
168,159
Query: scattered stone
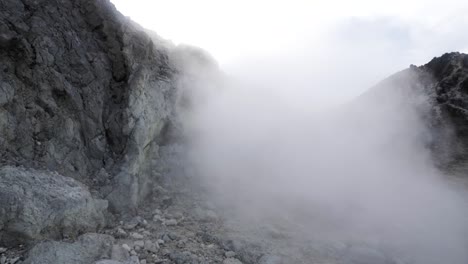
x,y
151,247
231,261
181,243
133,252
126,247
143,261
139,243
119,253
136,236
108,261
230,254
170,222
181,258
158,218
160,241
157,211
130,226
2,250
120,233
173,235
134,260
166,238
178,215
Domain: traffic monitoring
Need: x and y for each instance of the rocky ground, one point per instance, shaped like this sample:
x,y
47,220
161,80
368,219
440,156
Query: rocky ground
x,y
183,227
91,152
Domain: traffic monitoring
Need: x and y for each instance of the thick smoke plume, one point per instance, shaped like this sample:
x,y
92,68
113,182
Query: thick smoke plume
x,y
359,172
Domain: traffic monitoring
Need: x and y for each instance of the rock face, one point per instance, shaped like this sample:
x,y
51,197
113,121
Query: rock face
x,y
37,205
450,91
87,249
87,93
444,83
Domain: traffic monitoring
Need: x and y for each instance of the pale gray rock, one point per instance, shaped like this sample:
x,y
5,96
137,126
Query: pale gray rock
x,y
108,261
131,260
232,261
271,259
89,248
37,205
119,253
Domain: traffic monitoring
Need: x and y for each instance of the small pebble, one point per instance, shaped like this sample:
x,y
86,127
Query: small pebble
x,y
170,222
126,247
136,236
120,233
139,243
231,261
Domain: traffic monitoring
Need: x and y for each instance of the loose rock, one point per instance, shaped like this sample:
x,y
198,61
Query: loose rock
x,y
38,205
87,249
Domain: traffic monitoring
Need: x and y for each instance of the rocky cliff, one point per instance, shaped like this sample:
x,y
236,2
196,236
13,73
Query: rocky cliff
x,y
439,91
85,93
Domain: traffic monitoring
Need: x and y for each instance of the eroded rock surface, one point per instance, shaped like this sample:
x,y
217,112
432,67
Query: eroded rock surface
x,y
85,92
36,205
438,90
87,249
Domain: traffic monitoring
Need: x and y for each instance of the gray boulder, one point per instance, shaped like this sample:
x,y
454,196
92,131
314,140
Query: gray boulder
x,y
37,205
88,248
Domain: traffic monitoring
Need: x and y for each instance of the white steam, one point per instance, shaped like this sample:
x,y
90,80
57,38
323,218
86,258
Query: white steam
x,y
355,172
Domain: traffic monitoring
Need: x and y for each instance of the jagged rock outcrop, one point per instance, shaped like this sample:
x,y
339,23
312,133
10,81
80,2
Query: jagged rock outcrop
x,y
87,93
37,205
450,91
438,91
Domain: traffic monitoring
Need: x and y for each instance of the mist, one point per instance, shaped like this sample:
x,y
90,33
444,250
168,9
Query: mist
x,y
356,171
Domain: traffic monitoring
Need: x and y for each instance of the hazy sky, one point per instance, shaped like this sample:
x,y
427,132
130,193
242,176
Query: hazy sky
x,y
369,39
